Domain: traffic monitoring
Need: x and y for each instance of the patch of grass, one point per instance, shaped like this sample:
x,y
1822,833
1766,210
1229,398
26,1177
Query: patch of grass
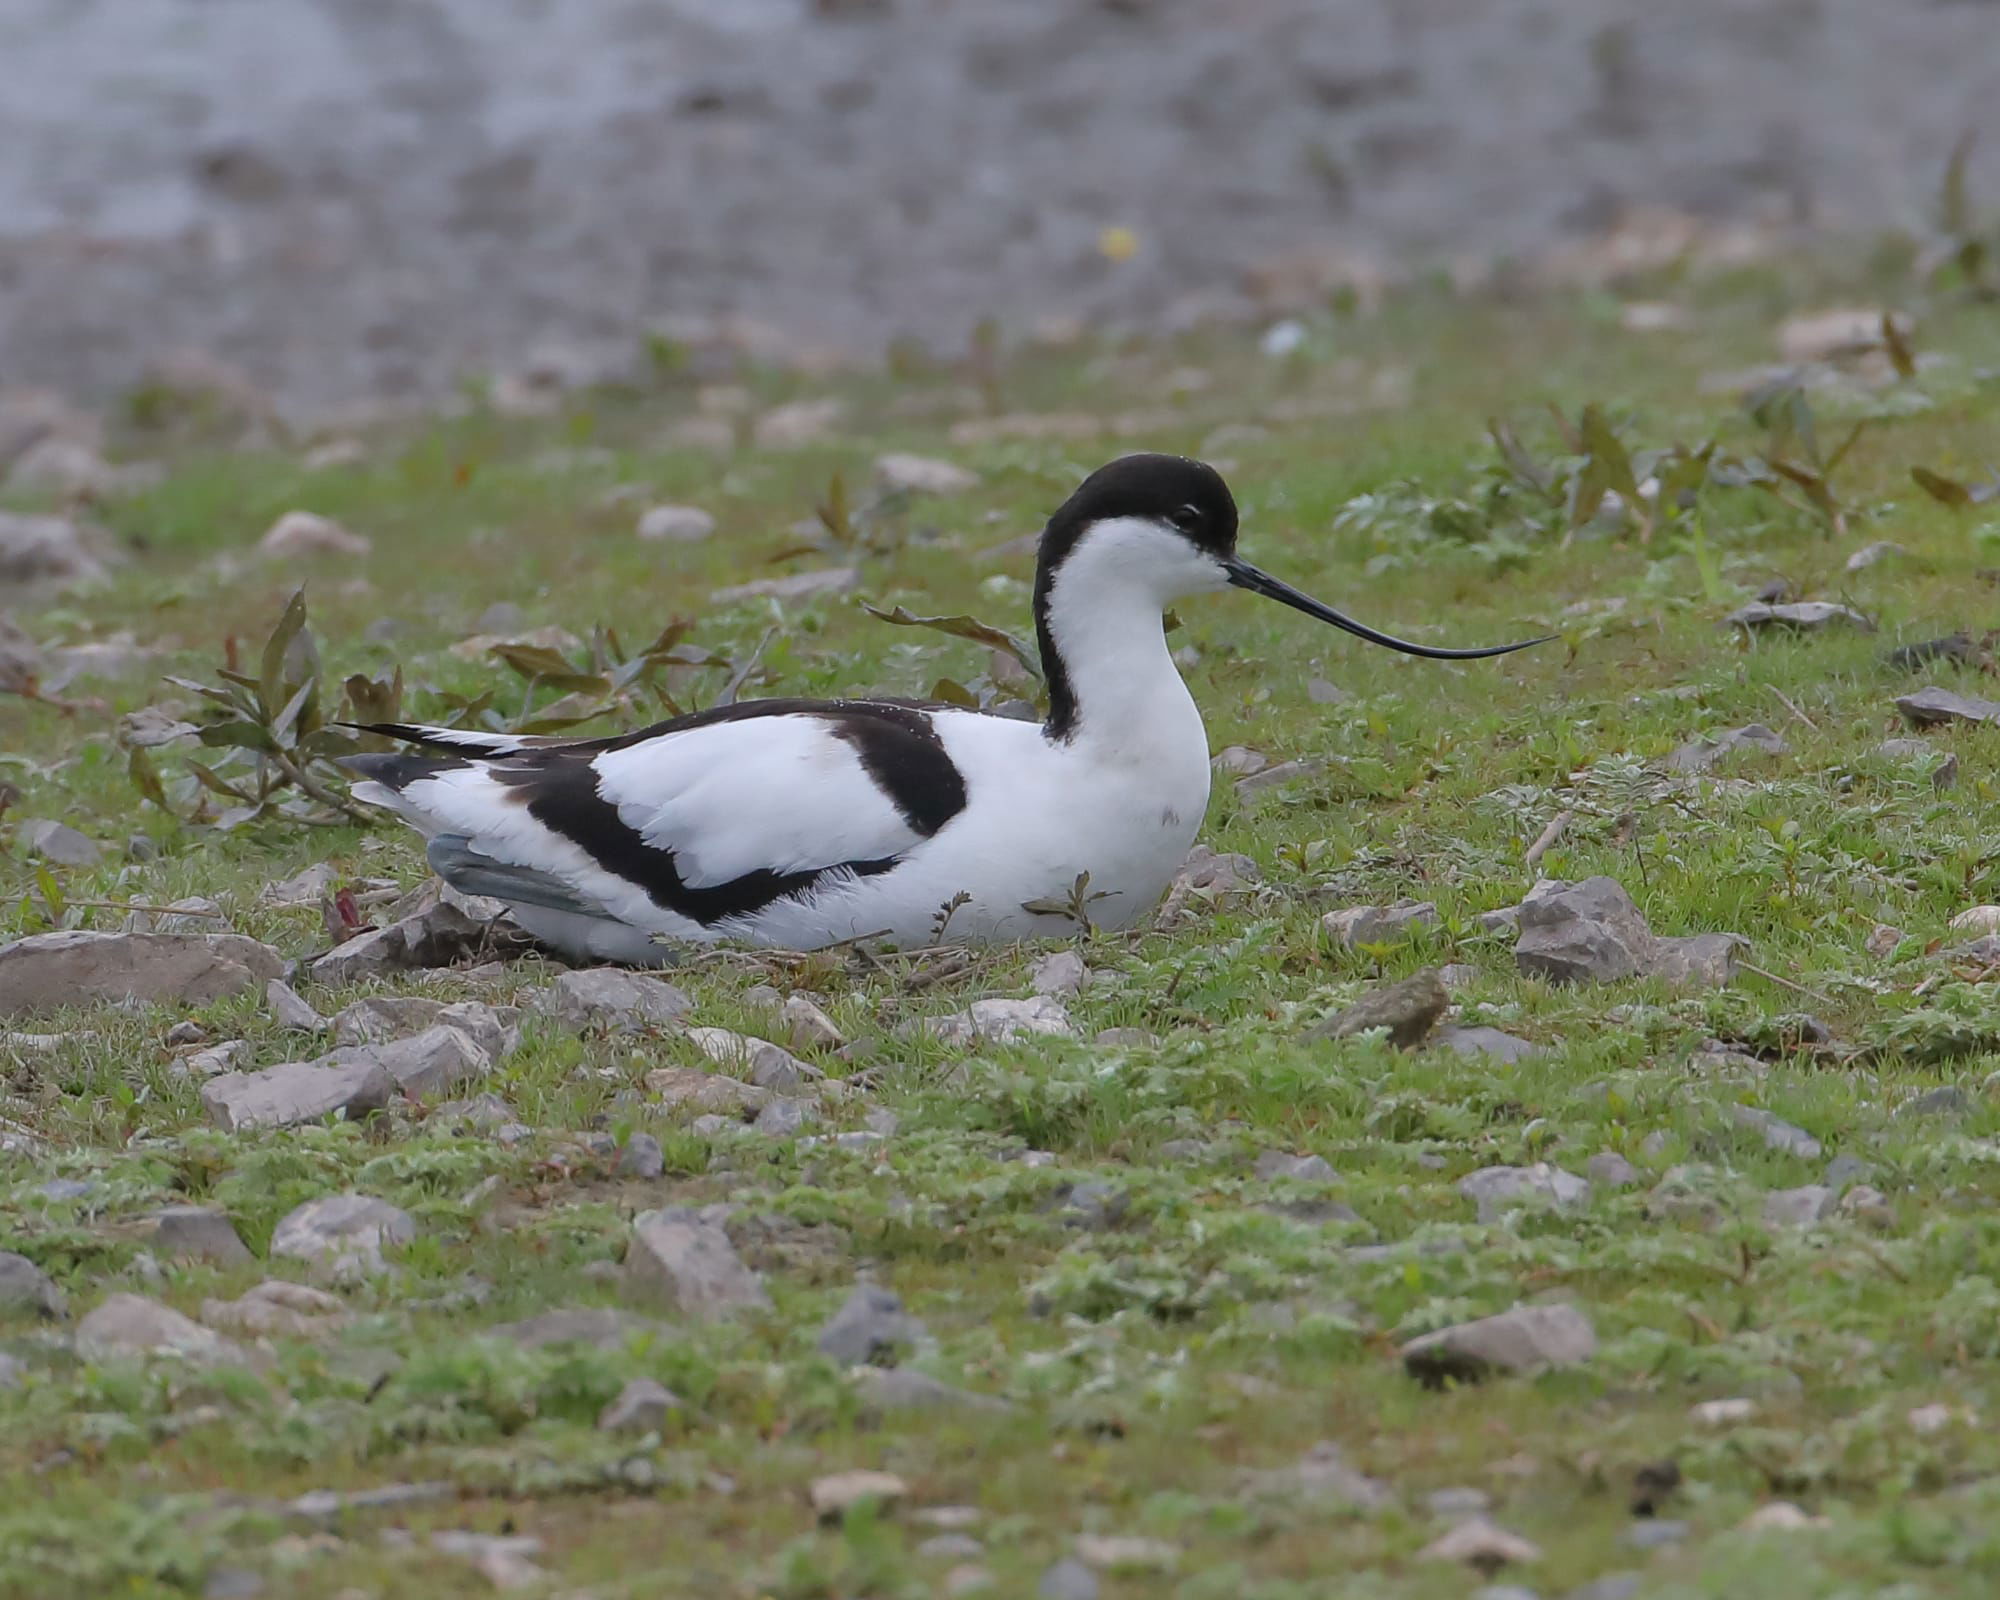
x,y
1210,1324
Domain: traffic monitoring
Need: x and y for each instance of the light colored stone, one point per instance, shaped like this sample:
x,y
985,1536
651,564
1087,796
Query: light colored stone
x,y
796,423
1485,1042
642,1406
291,1008
682,1260
45,551
425,1066
1482,1545
1358,926
277,1309
131,1327
1127,1553
807,585
343,1235
840,1492
1705,750
1930,708
1776,1133
51,971
1000,1021
600,1327
1798,616
769,1066
1798,1208
26,1290
58,843
1781,1516
1496,1190
807,1026
676,524
1977,920
1837,332
303,533
1059,973
1525,1339
197,1233
706,1092
905,1389
306,888
1406,1011
231,1055
910,474
501,1559
869,1328
1723,1413
295,1092
614,999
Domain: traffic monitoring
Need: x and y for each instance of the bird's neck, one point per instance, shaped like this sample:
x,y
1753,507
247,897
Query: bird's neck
x,y
1113,687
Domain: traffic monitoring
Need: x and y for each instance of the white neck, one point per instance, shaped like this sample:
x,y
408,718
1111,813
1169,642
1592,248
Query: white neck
x,y
1103,621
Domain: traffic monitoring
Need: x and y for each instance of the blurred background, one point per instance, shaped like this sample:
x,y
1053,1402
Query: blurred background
x,y
357,204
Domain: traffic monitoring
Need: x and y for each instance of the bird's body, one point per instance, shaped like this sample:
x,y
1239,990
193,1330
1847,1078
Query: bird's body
x,y
799,824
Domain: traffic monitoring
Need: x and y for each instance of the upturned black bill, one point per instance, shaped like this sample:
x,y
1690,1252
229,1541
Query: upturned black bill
x,y
1245,576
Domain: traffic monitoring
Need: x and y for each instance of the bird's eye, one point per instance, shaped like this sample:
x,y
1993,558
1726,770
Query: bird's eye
x,y
1187,519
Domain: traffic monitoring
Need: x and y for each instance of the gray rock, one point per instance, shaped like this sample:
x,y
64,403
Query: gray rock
x,y
26,1290
1496,1190
1526,1339
908,474
1068,1579
870,1329
451,929
950,1547
769,1066
785,1118
1126,1038
1591,932
306,888
1612,1586
1612,1170
131,1327
328,1506
1503,1591
1059,973
642,1406
1274,777
424,1066
53,971
684,1087
797,586
680,1259
1949,1101
1583,932
1776,1133
615,1000
1504,919
1092,1206
1322,1477
233,1583
36,551
904,1389
1656,1533
297,1091
1928,708
1408,1010
291,1008
1704,751
601,1327
1000,1021
1844,1170
343,1235
1486,1042
197,1233
642,1157
1274,1164
1800,616
676,524
382,1019
1358,926
1701,959
501,1559
277,1309
59,843
1457,1503
1798,1208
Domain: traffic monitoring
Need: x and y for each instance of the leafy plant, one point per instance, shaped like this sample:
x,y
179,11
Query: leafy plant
x,y
279,734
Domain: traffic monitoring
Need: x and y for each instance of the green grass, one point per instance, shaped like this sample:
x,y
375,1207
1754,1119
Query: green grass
x,y
1157,1363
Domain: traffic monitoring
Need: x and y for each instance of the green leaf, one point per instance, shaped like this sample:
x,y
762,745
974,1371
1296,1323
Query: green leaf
x,y
1939,487
244,735
539,664
146,778
271,692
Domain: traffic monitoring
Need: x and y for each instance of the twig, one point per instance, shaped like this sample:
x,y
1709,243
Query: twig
x,y
135,905
1795,711
1548,837
316,790
1785,983
741,675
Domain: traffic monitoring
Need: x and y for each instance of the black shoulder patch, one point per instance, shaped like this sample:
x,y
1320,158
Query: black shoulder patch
x,y
900,749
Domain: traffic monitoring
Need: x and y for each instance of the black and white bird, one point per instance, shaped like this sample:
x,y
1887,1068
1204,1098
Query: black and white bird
x,y
802,823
